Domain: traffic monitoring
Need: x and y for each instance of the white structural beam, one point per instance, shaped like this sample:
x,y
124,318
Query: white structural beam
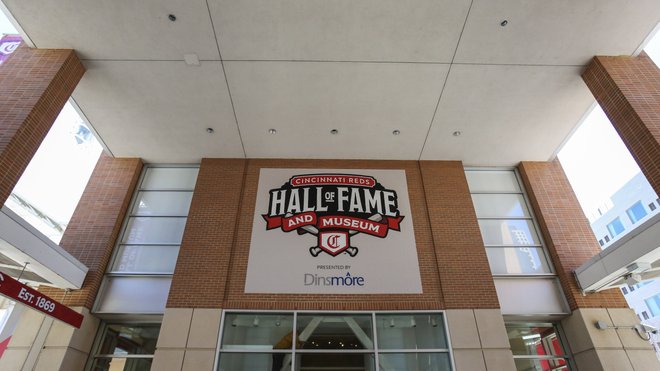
x,y
633,258
23,243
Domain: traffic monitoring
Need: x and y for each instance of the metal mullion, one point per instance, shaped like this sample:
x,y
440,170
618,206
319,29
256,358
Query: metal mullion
x,y
157,216
294,346
326,351
115,274
165,190
513,246
124,356
530,218
535,275
390,351
374,324
167,244
496,193
273,351
543,357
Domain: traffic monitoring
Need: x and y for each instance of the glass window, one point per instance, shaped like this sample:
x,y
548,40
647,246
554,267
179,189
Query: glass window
x,y
615,227
645,315
170,178
500,206
411,331
159,203
263,331
121,343
135,294
636,212
517,260
601,242
335,331
492,181
654,305
149,230
415,361
652,206
607,238
333,341
625,290
536,347
508,232
145,259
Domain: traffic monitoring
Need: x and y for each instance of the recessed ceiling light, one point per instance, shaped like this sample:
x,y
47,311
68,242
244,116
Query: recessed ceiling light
x,y
396,132
504,23
456,133
210,130
334,131
191,59
171,17
272,131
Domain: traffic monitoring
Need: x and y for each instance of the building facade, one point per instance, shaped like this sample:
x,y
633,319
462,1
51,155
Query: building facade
x,y
325,264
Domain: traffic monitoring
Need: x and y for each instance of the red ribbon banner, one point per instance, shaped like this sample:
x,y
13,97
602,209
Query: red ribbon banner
x,y
362,225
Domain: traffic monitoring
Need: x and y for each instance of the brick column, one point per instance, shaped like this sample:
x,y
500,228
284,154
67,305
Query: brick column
x,y
566,231
465,276
571,243
628,90
90,237
34,86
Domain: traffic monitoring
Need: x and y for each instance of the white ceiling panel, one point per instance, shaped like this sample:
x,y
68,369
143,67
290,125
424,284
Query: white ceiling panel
x,y
160,110
119,29
558,32
340,30
303,101
506,114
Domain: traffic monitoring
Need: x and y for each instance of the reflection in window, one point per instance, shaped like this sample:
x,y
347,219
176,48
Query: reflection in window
x,y
536,347
636,212
615,227
126,347
654,305
334,341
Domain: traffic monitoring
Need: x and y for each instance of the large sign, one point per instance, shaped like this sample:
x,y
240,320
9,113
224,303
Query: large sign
x,y
8,44
21,293
332,231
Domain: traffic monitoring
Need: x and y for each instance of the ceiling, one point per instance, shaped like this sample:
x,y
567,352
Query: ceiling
x,y
426,68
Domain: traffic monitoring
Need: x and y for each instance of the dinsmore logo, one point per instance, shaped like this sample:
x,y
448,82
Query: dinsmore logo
x,y
333,207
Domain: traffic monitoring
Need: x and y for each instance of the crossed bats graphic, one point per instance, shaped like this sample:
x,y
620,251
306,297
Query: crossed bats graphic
x,y
351,250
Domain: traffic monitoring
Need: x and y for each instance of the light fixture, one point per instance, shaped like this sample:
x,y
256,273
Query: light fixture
x,y
456,133
191,59
504,23
392,322
255,323
272,131
234,323
334,131
412,322
171,17
433,322
210,130
277,322
396,132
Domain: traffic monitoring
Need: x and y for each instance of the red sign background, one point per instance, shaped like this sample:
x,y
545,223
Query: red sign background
x,y
21,293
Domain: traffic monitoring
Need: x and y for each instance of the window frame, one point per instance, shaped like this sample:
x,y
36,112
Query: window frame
x,y
294,351
559,332
100,335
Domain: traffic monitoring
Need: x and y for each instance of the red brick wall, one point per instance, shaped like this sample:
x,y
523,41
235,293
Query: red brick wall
x,y
465,275
212,264
628,90
34,86
95,225
566,231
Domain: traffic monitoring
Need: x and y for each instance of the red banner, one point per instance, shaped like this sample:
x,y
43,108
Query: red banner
x,y
374,228
21,293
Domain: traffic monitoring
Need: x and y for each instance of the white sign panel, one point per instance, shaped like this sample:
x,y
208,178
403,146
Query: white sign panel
x,y
333,232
